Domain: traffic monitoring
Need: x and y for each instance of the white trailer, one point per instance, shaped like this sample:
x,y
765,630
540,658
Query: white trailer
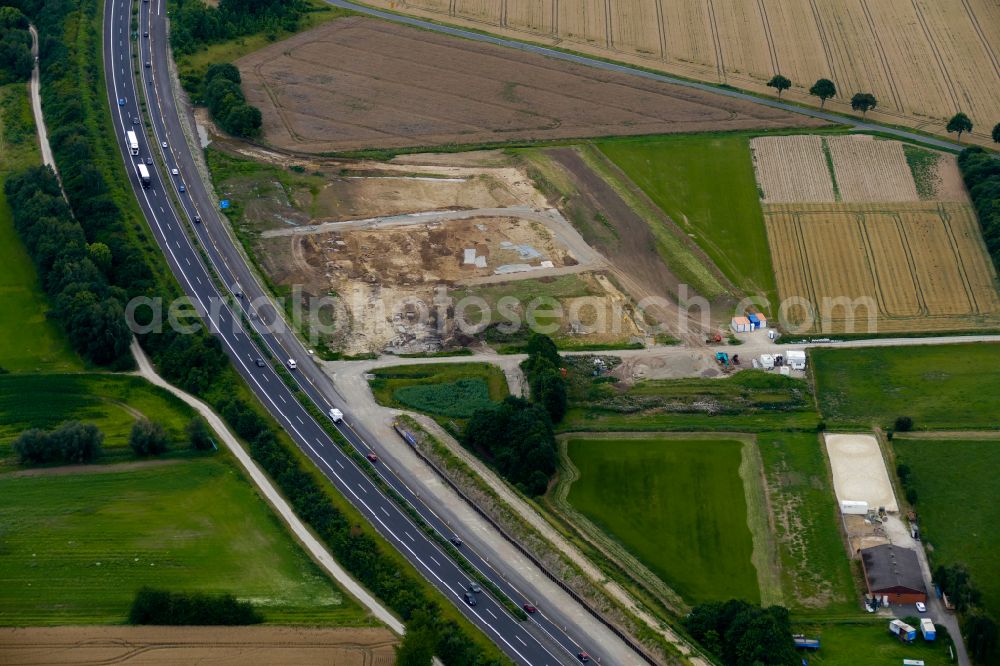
x,y
854,507
767,361
927,629
904,631
796,359
143,175
133,142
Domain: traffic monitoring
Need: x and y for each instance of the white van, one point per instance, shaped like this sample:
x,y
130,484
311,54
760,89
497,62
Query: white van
x,y
336,415
292,364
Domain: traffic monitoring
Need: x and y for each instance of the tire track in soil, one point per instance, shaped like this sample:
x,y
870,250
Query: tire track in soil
x,y
768,36
720,64
982,37
661,26
937,54
889,78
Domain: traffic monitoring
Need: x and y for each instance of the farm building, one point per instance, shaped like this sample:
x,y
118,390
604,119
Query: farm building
x,y
740,325
893,572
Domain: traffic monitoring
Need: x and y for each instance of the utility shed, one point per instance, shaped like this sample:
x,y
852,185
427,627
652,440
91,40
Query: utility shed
x,y
740,325
893,572
796,359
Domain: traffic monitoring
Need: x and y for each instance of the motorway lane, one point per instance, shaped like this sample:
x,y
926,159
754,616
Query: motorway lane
x,y
519,640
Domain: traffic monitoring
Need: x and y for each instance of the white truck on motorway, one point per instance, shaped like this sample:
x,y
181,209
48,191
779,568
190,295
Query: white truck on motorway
x,y
143,175
133,142
336,415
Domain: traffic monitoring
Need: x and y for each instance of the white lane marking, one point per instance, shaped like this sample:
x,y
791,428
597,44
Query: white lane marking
x,y
282,398
162,211
363,488
170,226
320,442
491,613
384,511
300,419
187,260
177,244
198,279
521,641
340,464
266,378
411,536
433,559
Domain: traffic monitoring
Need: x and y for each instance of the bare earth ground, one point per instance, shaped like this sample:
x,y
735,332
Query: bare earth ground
x,y
859,472
361,83
922,59
239,646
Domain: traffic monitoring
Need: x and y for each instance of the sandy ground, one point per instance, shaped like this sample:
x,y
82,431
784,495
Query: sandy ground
x,y
359,83
859,472
209,646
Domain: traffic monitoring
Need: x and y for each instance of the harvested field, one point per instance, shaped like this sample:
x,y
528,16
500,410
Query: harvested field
x,y
360,83
153,646
859,472
791,169
922,60
900,267
869,169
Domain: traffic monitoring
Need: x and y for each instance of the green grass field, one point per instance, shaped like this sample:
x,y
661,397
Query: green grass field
x,y
76,547
677,505
855,644
957,497
111,402
816,576
441,390
706,184
939,387
29,341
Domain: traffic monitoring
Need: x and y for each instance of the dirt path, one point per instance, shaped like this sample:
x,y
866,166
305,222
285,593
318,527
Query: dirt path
x,y
164,646
317,550
63,470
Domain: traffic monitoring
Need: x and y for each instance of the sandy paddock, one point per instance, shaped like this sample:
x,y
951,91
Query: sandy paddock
x,y
209,646
859,472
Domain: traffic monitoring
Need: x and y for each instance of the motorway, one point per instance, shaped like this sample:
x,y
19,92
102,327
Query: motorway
x,y
170,214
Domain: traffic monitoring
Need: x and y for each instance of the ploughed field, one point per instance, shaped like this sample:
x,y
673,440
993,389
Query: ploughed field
x,y
922,59
361,83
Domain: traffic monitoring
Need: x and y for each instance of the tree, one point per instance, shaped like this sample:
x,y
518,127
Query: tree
x,y
419,641
199,434
542,346
742,634
147,438
903,424
980,633
954,580
959,123
548,389
996,133
100,254
779,83
824,89
863,102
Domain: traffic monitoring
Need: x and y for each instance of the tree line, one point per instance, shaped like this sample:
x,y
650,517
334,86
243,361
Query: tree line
x,y
195,24
159,607
742,634
221,92
981,173
517,436
71,442
15,46
979,629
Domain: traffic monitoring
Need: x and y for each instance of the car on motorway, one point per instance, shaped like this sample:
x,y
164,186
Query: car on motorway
x,y
921,607
148,64
197,219
372,457
336,415
149,160
583,656
174,172
122,101
528,608
292,364
470,598
237,291
145,34
135,121
163,144
181,188
455,541
260,362
475,589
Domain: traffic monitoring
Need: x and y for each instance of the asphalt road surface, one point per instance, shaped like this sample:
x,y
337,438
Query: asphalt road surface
x,y
170,214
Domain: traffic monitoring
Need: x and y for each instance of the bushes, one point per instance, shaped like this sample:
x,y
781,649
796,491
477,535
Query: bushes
x,y
459,399
15,46
516,437
742,634
72,442
178,608
195,24
147,438
222,93
981,172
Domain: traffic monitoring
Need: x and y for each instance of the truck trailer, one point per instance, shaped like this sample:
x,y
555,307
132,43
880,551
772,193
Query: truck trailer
x,y
143,175
133,142
902,630
927,629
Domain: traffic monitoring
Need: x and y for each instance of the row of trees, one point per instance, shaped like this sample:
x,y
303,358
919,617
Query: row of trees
x,y
15,46
978,628
865,102
516,436
72,442
195,24
222,94
981,173
159,607
73,272
742,634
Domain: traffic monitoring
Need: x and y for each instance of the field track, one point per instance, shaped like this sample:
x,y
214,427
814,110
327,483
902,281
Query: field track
x,y
923,60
